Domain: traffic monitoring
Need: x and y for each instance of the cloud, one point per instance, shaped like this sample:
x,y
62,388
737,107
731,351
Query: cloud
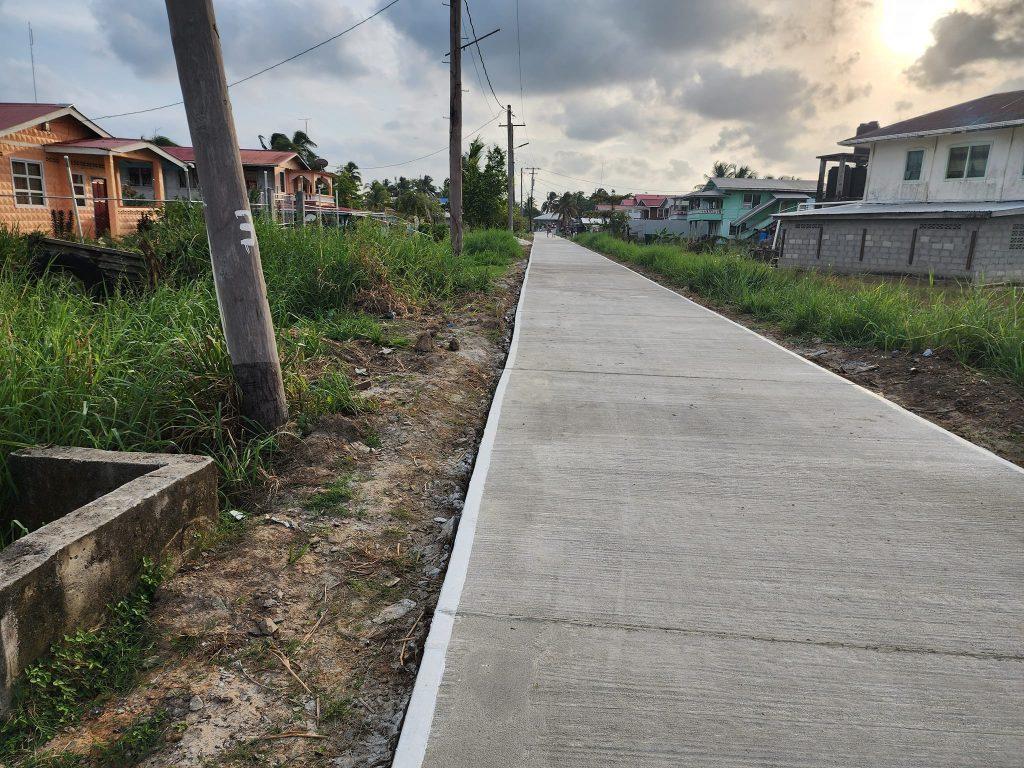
x,y
566,49
963,40
253,34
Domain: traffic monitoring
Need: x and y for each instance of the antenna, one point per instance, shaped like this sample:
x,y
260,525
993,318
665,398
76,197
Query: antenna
x,y
306,121
32,56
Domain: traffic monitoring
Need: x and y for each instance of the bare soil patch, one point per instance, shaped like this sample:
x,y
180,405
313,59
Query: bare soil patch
x,y
297,640
986,409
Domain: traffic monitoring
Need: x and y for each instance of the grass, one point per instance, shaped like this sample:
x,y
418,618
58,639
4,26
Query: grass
x,y
85,665
334,497
982,327
149,370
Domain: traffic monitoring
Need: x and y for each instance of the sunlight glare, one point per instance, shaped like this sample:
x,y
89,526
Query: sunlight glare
x,y
905,26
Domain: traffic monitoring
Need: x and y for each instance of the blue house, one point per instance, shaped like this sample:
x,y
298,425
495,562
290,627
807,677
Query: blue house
x,y
738,208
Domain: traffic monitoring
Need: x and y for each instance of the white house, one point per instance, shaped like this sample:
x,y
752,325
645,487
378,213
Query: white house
x,y
944,195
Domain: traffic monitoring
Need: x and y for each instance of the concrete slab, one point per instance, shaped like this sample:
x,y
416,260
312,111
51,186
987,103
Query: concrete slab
x,y
685,546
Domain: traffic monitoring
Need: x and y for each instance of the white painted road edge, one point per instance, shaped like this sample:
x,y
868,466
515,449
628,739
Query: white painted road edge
x,y
412,744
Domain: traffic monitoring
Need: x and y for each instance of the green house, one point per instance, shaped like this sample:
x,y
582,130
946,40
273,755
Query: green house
x,y
740,208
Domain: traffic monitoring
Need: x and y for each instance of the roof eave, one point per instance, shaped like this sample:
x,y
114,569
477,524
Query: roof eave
x,y
68,109
858,140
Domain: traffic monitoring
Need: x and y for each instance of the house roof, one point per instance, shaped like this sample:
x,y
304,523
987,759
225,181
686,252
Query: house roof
x,y
249,156
110,145
16,116
912,210
765,185
995,111
650,200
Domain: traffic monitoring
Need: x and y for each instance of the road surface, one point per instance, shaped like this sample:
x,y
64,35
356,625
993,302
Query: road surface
x,y
685,546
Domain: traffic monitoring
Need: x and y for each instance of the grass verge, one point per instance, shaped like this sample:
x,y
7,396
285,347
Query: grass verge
x,y
982,327
149,370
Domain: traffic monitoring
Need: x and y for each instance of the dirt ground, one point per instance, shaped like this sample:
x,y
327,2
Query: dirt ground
x,y
296,642
986,409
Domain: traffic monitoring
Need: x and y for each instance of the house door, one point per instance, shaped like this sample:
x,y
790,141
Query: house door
x,y
100,209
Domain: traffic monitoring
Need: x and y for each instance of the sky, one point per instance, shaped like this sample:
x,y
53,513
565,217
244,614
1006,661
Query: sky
x,y
635,96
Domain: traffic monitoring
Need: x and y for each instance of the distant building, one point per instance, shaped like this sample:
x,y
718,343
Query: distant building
x,y
281,172
114,181
943,195
737,208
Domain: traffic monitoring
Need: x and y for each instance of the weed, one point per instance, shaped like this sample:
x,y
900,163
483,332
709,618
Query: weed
x,y
150,370
336,708
81,667
335,496
296,551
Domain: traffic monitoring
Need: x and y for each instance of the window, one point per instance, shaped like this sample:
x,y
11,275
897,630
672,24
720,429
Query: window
x,y
140,176
967,162
28,182
78,183
280,176
912,170
751,200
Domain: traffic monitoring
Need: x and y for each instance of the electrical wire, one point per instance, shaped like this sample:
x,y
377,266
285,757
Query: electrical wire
x,y
481,55
424,157
265,69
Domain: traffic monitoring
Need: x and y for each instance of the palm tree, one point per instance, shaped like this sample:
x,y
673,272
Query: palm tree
x,y
377,197
548,206
568,209
160,140
299,143
723,170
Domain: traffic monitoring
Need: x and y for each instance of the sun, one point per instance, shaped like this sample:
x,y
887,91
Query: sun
x,y
905,26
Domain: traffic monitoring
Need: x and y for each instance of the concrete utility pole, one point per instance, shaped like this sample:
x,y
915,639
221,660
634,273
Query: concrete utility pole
x,y
533,178
455,128
237,271
511,167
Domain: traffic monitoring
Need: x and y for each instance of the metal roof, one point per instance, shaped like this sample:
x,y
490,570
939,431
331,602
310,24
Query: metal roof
x,y
765,185
249,156
110,145
912,210
16,116
998,110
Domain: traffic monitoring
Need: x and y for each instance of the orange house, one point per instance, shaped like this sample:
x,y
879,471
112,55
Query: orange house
x,y
53,160
283,173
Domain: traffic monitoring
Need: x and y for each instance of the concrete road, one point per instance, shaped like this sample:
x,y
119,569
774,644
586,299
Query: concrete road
x,y
686,546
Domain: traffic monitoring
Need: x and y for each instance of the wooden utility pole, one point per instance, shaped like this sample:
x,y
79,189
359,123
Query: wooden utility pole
x,y
237,271
455,128
511,167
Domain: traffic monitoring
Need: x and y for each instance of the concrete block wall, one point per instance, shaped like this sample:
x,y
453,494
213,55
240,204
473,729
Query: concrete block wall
x,y
941,247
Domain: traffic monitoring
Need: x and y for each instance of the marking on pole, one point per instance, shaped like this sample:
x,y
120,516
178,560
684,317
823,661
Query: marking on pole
x,y
246,226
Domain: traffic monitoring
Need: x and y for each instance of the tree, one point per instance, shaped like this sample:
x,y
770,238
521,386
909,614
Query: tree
x,y
548,205
160,140
299,143
483,188
412,202
347,185
377,197
723,170
568,209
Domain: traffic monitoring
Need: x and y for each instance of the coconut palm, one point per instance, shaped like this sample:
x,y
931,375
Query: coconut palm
x,y
568,209
548,205
377,197
723,170
299,143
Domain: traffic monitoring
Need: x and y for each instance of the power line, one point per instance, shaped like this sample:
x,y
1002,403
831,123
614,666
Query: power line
x,y
480,53
424,157
265,69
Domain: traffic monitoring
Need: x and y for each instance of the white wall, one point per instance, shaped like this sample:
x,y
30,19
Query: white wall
x,y
1004,179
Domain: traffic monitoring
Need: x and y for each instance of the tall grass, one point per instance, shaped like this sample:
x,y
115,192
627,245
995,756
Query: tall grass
x,y
149,370
982,327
